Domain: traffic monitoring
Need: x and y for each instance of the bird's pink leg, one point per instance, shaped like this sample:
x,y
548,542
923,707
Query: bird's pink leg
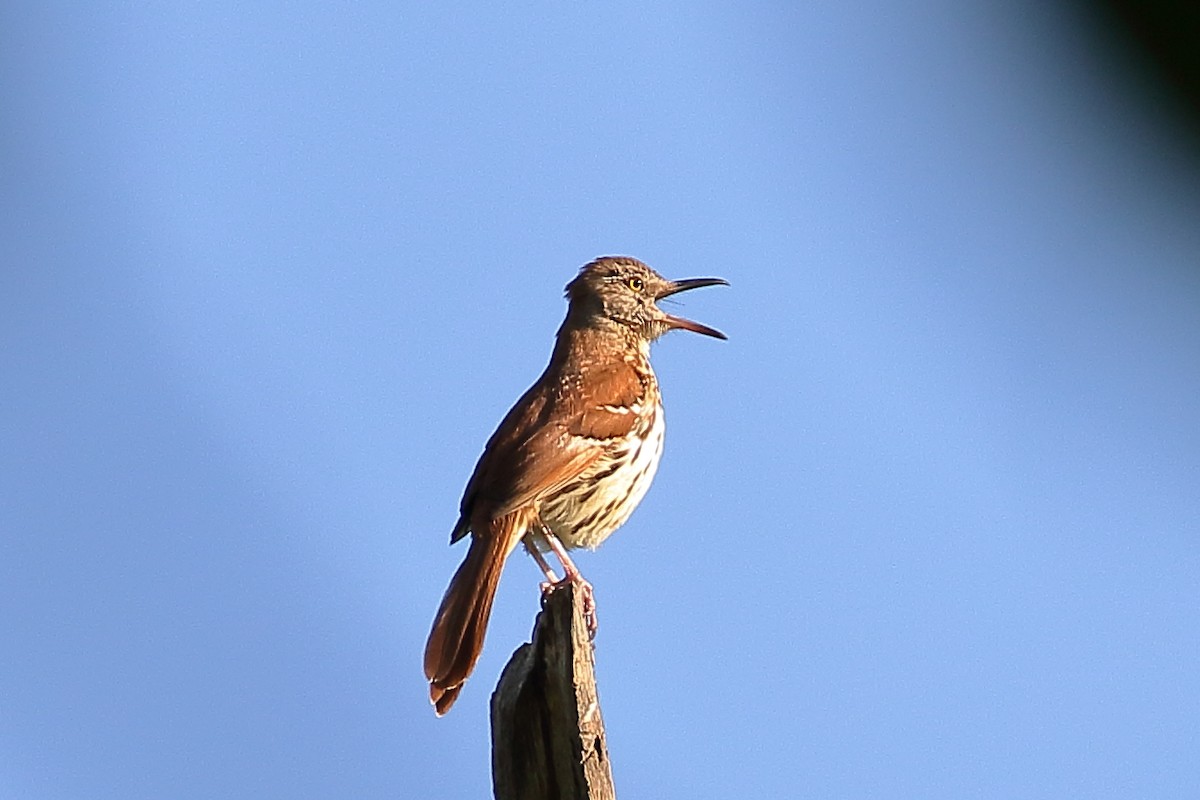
x,y
532,548
572,575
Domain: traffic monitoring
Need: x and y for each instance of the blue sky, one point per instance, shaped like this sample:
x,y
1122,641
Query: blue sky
x,y
926,525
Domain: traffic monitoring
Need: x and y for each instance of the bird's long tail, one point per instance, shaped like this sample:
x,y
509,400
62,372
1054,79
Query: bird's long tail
x,y
456,639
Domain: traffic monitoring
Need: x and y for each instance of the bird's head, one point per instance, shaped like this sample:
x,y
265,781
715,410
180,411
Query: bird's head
x,y
623,290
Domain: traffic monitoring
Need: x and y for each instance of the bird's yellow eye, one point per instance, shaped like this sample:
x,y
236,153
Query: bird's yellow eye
x,y
635,284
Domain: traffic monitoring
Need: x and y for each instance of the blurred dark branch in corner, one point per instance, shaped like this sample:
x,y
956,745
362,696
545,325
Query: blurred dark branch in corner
x,y
1155,44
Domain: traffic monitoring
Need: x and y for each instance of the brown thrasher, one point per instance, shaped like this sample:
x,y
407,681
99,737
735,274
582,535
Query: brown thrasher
x,y
570,461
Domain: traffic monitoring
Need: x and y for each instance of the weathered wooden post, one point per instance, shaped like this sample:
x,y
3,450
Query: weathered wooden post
x,y
547,733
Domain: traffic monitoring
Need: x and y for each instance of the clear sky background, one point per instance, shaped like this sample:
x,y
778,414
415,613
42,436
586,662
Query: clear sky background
x,y
926,525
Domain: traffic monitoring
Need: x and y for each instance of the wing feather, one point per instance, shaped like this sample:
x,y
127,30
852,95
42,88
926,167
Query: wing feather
x,y
550,437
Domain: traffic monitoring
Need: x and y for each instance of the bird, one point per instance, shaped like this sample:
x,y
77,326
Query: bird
x,y
569,462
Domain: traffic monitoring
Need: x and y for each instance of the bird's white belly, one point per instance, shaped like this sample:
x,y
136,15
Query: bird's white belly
x,y
588,510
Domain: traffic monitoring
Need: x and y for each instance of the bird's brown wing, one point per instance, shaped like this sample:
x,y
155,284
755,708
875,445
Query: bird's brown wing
x,y
550,437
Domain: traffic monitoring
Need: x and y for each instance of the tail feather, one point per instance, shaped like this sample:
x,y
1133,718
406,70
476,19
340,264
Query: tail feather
x,y
456,639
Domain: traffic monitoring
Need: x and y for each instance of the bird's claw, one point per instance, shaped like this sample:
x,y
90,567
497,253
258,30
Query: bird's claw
x,y
587,598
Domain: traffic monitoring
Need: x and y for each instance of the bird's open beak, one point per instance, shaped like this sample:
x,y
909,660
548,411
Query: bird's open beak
x,y
686,324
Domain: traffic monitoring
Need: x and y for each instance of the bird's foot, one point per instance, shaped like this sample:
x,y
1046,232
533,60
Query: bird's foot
x,y
587,596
